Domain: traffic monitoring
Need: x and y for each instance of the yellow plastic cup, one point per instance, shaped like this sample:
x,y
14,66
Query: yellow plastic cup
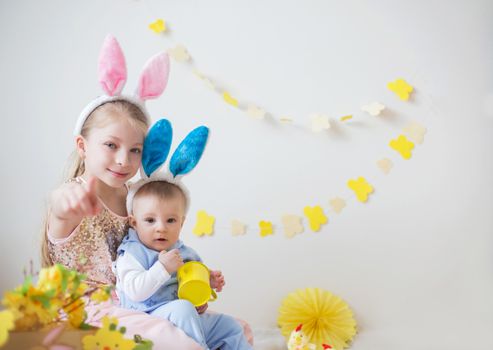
x,y
194,283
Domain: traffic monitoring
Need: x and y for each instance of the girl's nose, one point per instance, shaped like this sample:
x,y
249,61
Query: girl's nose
x,y
122,158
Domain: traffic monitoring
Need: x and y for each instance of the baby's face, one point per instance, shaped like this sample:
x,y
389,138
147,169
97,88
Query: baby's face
x,y
158,222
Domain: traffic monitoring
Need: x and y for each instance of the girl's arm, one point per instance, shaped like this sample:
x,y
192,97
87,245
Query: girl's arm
x,y
69,204
137,283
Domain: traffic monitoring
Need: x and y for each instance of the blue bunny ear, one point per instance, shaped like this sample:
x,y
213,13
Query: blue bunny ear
x,y
156,146
188,153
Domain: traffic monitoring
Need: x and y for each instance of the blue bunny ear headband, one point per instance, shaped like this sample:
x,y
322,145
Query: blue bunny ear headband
x,y
155,152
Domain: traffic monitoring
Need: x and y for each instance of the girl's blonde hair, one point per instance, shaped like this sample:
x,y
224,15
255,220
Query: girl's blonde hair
x,y
99,118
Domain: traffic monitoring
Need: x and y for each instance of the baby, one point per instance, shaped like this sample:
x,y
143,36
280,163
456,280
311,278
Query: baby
x,y
148,259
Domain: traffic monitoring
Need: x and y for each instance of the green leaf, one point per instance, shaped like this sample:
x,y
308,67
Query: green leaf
x,y
27,283
144,345
43,299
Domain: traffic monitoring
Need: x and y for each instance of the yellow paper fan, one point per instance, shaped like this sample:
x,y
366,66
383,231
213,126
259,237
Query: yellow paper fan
x,y
326,318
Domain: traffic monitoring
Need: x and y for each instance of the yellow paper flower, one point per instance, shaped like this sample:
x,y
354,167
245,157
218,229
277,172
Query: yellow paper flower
x,y
292,225
204,225
401,88
316,217
108,337
6,324
326,318
403,146
158,26
361,188
230,99
265,228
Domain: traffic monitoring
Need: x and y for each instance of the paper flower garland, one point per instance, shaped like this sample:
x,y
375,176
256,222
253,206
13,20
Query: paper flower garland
x,y
403,146
204,224
374,109
255,112
292,225
158,26
415,131
179,53
401,88
337,204
230,99
316,217
326,318
319,122
266,228
237,228
385,165
361,188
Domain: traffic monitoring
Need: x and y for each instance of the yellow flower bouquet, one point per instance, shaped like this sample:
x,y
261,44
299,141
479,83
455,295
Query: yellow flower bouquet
x,y
38,313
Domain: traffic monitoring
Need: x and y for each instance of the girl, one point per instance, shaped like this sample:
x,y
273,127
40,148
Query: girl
x,y
87,218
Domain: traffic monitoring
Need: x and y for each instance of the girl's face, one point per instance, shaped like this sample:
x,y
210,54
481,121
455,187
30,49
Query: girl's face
x,y
113,152
158,222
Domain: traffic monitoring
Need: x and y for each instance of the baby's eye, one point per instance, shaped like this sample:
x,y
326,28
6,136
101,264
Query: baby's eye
x,y
110,145
149,220
136,150
171,221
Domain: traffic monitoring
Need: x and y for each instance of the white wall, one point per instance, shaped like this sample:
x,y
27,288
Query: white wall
x,y
414,263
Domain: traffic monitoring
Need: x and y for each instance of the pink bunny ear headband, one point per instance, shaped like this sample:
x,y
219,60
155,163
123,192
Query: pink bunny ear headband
x,y
112,73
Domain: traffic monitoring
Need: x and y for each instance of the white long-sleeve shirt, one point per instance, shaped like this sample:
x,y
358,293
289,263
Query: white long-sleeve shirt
x,y
135,281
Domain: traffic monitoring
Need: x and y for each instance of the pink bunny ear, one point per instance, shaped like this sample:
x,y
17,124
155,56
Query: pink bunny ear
x,y
112,68
154,77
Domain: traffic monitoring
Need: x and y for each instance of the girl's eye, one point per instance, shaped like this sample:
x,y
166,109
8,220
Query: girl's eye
x,y
149,220
110,145
171,221
136,150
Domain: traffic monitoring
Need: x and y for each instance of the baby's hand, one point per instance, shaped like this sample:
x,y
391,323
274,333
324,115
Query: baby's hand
x,y
217,280
76,200
171,260
201,309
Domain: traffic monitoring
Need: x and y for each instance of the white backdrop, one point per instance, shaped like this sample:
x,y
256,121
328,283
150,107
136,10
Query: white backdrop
x,y
414,263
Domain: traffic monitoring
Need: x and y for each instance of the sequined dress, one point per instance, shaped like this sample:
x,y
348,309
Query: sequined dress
x,y
91,247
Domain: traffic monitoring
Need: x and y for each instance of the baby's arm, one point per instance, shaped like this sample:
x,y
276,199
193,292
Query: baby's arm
x,y
69,204
135,281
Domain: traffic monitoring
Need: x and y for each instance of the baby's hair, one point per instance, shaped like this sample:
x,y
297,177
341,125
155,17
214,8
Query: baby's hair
x,y
103,115
162,190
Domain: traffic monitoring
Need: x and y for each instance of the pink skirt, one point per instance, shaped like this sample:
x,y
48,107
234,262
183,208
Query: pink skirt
x,y
163,333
